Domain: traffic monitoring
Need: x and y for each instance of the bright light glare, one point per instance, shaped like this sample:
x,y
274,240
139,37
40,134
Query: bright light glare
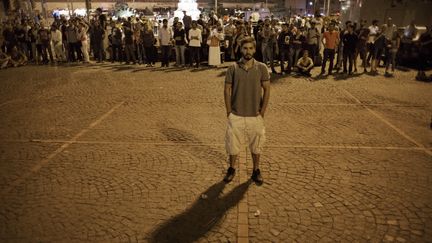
x,y
80,12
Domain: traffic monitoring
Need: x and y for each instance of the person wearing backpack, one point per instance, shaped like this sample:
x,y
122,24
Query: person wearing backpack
x,y
246,94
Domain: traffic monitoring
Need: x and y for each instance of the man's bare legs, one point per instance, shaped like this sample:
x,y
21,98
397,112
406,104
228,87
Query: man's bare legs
x,y
255,160
233,161
256,173
231,170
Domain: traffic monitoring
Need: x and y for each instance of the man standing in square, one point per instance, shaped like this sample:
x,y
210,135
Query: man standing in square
x,y
247,93
330,41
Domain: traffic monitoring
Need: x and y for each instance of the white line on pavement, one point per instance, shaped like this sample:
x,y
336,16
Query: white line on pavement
x,y
213,144
65,145
348,104
379,116
344,147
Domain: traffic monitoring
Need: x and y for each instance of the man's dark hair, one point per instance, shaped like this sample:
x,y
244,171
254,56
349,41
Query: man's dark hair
x,y
246,40
375,21
165,21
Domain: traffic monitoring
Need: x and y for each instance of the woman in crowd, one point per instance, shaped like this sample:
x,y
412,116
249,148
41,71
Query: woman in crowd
x,y
148,40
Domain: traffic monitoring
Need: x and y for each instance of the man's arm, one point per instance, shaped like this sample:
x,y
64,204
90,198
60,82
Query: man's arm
x,y
311,64
298,64
266,87
227,96
322,39
337,40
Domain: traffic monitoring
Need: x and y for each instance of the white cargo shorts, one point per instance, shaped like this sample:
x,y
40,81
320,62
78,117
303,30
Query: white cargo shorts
x,y
244,129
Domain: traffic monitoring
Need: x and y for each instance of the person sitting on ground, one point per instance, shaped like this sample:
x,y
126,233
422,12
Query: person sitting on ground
x,y
305,64
18,58
4,59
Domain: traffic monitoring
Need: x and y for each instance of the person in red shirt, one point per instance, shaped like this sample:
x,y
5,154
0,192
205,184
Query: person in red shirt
x,y
330,41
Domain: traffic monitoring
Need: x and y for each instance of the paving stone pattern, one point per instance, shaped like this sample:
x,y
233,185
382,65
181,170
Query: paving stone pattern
x,y
112,153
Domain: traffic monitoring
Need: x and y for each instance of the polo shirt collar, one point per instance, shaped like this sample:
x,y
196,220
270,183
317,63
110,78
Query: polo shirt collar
x,y
242,61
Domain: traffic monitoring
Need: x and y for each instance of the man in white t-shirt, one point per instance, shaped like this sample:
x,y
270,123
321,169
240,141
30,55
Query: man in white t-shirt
x,y
305,64
373,32
57,42
165,41
195,39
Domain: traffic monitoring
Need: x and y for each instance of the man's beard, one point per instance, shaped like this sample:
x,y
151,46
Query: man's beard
x,y
247,57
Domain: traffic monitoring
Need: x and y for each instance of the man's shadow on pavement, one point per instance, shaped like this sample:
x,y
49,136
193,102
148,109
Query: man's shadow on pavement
x,y
343,76
203,152
320,77
201,217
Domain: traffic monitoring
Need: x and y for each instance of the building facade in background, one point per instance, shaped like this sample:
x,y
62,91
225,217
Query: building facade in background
x,y
151,4
401,11
305,7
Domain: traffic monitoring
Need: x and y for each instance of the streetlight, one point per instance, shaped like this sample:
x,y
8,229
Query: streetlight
x,y
309,7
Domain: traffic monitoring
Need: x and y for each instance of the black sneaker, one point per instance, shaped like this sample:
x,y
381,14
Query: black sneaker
x,y
256,176
229,175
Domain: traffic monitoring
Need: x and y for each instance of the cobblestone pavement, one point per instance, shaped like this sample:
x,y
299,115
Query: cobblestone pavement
x,y
112,153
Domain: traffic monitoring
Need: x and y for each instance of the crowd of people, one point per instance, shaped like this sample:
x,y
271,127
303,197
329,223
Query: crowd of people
x,y
294,44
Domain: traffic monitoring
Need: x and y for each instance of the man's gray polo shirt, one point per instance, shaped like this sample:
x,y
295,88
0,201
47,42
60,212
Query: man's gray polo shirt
x,y
246,96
